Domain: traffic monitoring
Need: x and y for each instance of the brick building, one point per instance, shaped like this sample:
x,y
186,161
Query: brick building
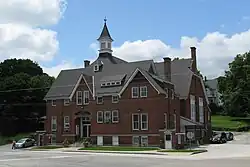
x,y
115,102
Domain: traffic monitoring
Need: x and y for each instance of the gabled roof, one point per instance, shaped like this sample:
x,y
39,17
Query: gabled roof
x,y
112,66
105,33
147,77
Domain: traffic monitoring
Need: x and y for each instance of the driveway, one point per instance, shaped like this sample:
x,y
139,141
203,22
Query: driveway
x,y
240,147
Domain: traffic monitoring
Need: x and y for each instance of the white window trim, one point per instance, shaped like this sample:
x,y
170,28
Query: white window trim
x,y
53,103
145,137
97,117
133,139
117,112
66,102
96,67
133,91
105,117
142,114
66,124
98,101
141,88
113,101
77,97
133,128
84,96
52,122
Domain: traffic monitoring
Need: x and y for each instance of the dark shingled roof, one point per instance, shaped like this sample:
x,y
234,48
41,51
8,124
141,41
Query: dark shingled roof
x,y
181,75
116,69
105,33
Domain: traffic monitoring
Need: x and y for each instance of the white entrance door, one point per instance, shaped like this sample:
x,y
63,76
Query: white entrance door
x,y
115,140
168,141
99,140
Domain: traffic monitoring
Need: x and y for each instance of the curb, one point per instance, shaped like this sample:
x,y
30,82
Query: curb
x,y
198,152
115,152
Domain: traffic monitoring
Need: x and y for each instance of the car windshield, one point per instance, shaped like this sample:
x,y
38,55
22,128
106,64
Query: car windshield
x,y
21,140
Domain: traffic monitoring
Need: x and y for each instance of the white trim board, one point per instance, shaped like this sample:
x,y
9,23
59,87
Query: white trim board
x,y
131,79
77,84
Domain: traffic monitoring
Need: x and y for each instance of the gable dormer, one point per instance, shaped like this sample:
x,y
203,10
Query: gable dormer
x,y
98,66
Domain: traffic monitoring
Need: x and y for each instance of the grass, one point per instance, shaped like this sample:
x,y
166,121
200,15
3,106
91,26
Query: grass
x,y
227,122
8,139
119,148
46,147
182,151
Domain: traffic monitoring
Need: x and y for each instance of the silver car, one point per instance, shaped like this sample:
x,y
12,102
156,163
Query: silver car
x,y
25,142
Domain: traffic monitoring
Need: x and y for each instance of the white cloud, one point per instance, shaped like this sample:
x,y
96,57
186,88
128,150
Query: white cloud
x,y
21,41
55,70
32,12
20,36
214,51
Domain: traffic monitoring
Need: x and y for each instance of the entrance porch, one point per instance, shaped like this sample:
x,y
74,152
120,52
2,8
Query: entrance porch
x,y
83,124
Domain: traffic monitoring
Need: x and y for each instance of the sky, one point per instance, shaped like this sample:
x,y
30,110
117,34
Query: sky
x,y
61,34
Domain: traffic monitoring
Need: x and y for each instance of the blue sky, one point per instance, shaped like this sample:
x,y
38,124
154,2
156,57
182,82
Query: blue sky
x,y
142,29
131,20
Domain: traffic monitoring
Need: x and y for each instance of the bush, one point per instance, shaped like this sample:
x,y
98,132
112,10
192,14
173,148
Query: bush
x,y
66,143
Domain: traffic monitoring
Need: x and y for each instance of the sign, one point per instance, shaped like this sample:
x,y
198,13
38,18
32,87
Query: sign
x,y
190,135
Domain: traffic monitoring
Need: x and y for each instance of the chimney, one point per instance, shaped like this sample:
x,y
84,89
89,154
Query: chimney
x,y
193,56
86,63
167,68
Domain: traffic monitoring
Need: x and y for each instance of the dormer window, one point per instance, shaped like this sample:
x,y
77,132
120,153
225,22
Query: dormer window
x,y
96,68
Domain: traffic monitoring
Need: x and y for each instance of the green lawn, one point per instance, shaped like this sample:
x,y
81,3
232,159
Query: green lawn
x,y
119,148
182,151
227,122
8,139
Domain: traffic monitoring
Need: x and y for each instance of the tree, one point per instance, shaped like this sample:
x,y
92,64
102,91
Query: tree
x,y
235,86
23,86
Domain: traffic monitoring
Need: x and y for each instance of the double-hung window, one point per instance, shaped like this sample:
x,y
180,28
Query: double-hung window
x,y
53,123
99,100
66,122
115,99
99,116
143,91
144,121
201,110
135,121
193,108
135,92
79,98
107,117
115,116
66,102
86,97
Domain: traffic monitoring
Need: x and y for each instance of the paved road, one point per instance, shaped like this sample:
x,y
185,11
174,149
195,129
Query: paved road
x,y
57,159
236,153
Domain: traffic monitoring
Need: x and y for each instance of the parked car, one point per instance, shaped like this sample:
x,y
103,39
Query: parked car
x,y
25,142
219,138
230,136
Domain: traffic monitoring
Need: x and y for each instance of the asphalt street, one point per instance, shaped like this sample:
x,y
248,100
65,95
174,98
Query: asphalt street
x,y
56,159
218,155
